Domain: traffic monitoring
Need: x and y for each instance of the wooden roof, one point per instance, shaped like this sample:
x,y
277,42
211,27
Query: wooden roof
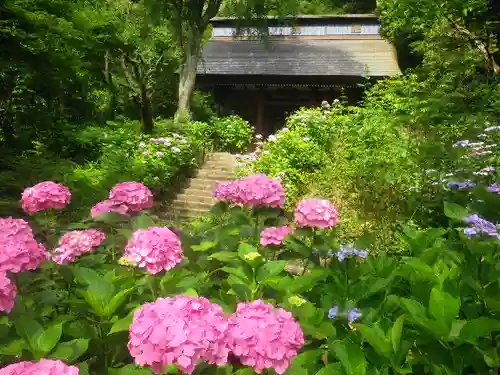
x,y
349,56
303,19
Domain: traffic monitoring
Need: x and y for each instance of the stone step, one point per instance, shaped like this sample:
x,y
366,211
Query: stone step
x,y
202,184
201,190
220,156
189,197
184,214
214,175
218,167
178,204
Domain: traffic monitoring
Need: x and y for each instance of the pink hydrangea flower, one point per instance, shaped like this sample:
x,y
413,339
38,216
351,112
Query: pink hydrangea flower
x,y
43,367
156,249
76,243
263,336
179,330
8,293
45,195
316,213
259,190
108,206
223,191
253,191
274,235
19,250
135,195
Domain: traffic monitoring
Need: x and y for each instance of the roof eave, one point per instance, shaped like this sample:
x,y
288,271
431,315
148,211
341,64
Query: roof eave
x,y
307,18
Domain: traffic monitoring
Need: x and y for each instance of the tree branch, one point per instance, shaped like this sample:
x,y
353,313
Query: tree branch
x,y
178,7
479,43
126,73
211,11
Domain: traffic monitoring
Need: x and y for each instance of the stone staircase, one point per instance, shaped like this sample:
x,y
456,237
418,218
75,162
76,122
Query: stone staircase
x,y
196,199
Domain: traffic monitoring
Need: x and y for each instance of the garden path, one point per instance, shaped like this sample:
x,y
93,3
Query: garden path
x,y
196,199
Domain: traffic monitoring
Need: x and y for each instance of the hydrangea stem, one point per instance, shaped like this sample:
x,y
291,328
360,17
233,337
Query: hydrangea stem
x,y
150,281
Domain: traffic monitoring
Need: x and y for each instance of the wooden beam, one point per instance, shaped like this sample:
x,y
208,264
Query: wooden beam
x,y
260,127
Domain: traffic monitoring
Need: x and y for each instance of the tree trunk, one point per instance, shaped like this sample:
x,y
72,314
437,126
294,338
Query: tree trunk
x,y
146,113
187,78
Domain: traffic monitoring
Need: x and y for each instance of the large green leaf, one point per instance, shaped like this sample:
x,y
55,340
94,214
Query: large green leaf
x,y
204,246
332,369
111,218
243,292
86,275
395,333
13,348
30,330
443,307
98,295
142,221
116,301
477,328
270,269
306,282
300,364
129,370
49,338
238,272
80,329
70,351
245,371
224,256
351,356
376,338
455,211
122,324
245,248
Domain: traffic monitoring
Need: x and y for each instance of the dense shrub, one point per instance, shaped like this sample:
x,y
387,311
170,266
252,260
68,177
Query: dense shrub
x,y
362,161
115,153
231,133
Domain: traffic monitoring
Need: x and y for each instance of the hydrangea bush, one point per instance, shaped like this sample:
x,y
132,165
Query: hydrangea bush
x,y
266,292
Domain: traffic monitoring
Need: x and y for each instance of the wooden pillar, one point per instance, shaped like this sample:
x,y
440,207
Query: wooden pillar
x,y
260,127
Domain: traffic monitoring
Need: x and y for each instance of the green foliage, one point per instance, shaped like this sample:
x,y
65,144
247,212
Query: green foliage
x,y
113,154
231,133
294,157
365,162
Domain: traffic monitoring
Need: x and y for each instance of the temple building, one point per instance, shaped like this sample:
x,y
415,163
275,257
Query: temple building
x,y
302,62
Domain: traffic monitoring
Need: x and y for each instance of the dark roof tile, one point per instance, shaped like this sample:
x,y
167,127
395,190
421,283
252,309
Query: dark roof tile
x,y
333,57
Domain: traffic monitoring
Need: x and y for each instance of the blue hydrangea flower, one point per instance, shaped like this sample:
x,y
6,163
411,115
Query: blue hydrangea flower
x,y
333,312
160,154
353,315
348,251
470,232
461,185
176,149
480,225
495,188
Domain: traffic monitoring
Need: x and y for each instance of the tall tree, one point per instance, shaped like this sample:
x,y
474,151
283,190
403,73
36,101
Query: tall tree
x,y
133,53
189,21
44,80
